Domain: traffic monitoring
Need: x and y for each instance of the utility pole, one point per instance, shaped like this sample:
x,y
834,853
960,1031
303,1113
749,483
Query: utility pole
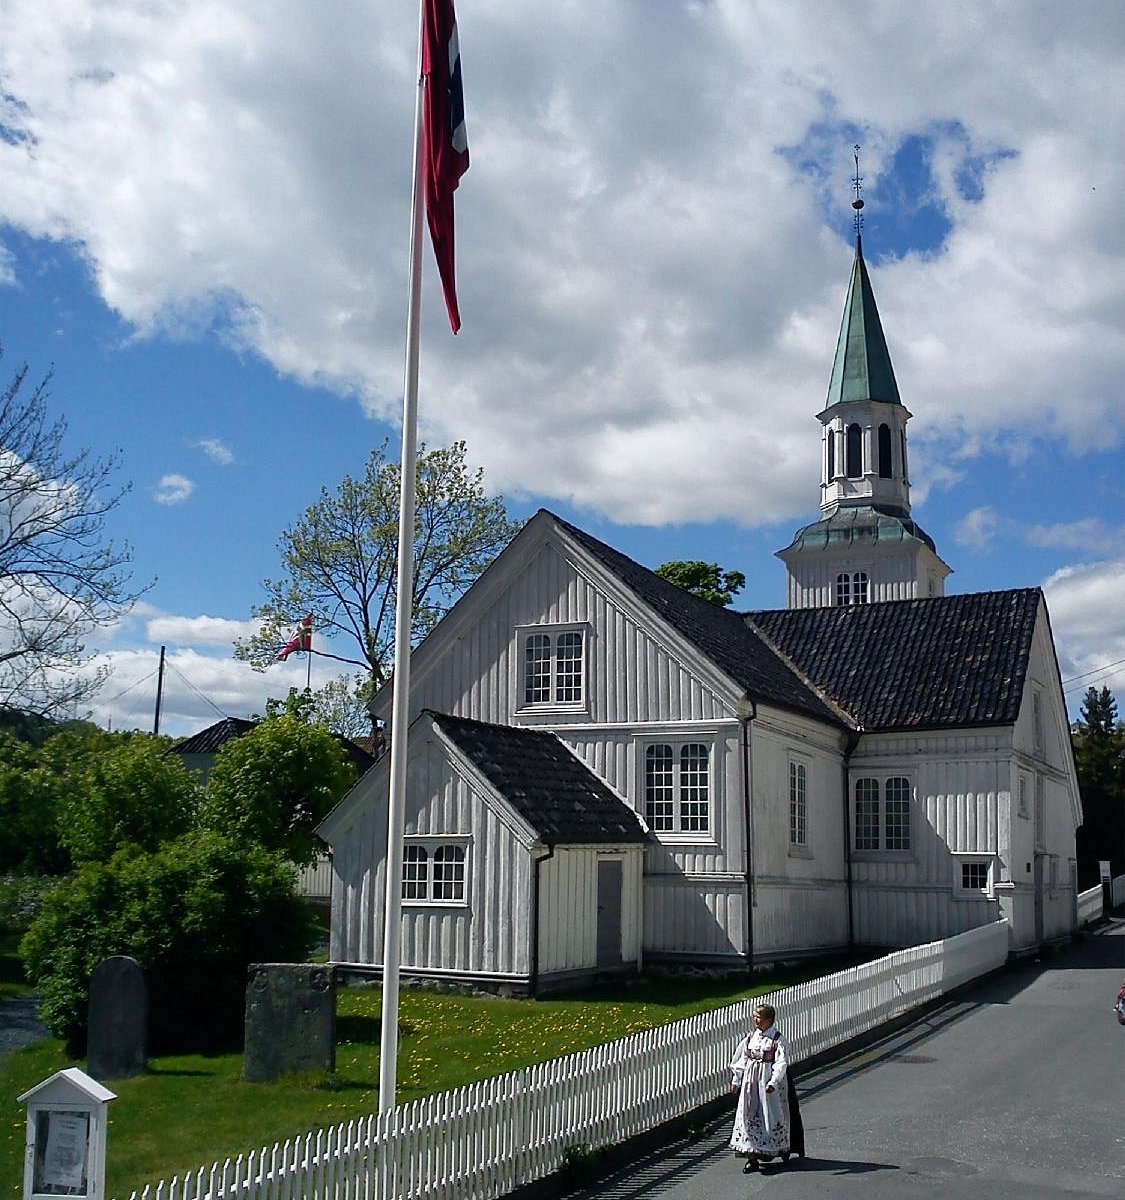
x,y
159,694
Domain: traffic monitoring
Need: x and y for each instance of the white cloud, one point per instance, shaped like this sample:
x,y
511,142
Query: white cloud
x,y
1088,621
198,631
1091,534
650,279
216,450
173,489
977,528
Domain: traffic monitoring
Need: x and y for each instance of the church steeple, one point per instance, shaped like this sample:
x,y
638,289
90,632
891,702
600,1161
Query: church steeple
x,y
862,368
866,547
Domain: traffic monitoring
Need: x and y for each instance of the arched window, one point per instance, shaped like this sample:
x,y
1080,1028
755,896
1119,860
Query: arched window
x,y
678,787
831,455
843,588
859,587
449,873
853,452
884,452
905,473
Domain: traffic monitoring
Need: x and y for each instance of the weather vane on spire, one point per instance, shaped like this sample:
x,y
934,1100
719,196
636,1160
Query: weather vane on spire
x,y
857,184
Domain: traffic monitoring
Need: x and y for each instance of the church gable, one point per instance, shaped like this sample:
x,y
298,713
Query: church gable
x,y
548,636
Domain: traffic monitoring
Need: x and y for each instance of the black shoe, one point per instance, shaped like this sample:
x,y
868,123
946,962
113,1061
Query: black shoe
x,y
785,1155
751,1166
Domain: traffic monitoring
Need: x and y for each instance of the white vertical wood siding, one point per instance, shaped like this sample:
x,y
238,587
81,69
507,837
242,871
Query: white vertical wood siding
x,y
487,935
629,677
962,785
811,578
568,908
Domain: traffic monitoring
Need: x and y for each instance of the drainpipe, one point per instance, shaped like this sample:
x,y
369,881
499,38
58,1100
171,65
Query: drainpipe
x,y
747,711
849,750
533,917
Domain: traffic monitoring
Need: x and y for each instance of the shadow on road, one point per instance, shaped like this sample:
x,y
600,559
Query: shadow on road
x,y
831,1166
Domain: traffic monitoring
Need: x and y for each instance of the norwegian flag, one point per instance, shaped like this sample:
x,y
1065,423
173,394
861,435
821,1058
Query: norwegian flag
x,y
445,143
301,639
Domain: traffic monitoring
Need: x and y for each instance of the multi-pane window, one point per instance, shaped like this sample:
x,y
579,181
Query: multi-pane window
x,y
882,813
678,787
415,872
537,669
896,829
798,805
436,876
867,814
851,589
974,876
449,873
554,667
568,667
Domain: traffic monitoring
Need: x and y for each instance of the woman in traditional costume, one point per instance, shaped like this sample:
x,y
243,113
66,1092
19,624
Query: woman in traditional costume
x,y
767,1117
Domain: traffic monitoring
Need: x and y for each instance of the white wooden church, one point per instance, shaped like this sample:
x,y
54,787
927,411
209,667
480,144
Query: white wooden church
x,y
606,771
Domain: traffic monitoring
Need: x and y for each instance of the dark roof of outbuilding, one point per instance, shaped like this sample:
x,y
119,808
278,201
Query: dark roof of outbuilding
x,y
545,782
719,633
214,737
914,664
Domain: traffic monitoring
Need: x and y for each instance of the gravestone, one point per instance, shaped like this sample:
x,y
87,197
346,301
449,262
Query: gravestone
x,y
290,1020
117,1039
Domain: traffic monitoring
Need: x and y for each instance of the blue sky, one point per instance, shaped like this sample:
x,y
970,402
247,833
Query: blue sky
x,y
203,230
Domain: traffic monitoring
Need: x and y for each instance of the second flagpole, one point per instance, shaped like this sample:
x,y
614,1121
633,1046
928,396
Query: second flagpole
x,y
400,686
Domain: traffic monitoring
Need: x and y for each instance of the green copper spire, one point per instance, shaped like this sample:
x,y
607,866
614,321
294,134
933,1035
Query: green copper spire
x,y
862,369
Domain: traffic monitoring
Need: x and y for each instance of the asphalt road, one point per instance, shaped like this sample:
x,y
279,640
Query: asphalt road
x,y
1014,1089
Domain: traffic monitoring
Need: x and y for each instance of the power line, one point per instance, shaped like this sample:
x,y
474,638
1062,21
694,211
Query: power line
x,y
1093,671
206,699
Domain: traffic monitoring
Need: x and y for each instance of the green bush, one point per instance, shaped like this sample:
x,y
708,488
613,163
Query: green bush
x,y
134,793
275,784
194,914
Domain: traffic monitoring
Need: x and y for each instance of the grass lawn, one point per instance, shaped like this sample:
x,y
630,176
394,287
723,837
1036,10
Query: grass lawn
x,y
187,1112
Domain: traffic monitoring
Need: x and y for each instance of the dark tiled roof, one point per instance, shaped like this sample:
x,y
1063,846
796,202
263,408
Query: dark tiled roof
x,y
915,664
214,737
558,796
719,633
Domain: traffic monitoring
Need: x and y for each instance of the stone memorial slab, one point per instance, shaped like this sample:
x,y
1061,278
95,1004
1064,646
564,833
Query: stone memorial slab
x,y
117,1040
290,1020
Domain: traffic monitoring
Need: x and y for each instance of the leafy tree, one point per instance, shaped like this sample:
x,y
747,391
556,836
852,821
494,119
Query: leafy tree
x,y
339,561
131,794
1099,756
194,914
60,578
36,781
272,786
342,705
707,580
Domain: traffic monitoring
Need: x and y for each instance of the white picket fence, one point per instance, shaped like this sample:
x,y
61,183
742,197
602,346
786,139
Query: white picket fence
x,y
1091,902
485,1139
1089,905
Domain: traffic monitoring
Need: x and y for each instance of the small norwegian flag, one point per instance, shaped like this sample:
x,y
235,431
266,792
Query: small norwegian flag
x,y
301,639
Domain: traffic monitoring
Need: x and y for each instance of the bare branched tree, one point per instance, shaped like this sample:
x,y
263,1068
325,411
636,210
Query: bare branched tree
x,y
60,578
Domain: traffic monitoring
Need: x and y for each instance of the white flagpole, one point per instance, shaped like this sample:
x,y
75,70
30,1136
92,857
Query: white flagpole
x,y
400,693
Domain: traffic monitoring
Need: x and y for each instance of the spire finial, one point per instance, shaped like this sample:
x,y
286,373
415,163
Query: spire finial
x,y
857,203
